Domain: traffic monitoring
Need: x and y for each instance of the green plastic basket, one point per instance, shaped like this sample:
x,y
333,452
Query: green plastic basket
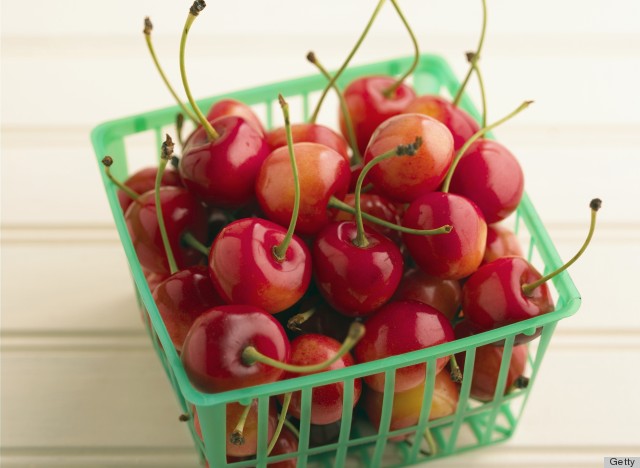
x,y
473,425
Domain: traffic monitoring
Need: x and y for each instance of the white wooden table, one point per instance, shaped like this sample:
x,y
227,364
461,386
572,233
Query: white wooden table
x,y
81,386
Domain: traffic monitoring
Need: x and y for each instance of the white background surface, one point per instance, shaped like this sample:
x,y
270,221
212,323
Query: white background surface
x,y
80,383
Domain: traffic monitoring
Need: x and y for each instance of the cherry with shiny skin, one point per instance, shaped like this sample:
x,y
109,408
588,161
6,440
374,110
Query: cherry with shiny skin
x,y
244,269
326,400
489,175
369,106
228,106
323,173
443,294
212,353
405,179
144,180
182,298
375,205
222,172
309,133
355,280
407,405
501,242
461,125
401,327
459,253
182,214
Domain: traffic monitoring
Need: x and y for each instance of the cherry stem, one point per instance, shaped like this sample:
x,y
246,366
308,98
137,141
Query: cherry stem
x,y
342,206
458,96
342,68
400,150
190,240
165,156
595,205
351,134
390,92
294,322
148,27
292,428
281,420
480,133
237,436
456,373
179,127
431,442
184,417
519,383
107,161
251,355
471,59
280,250
194,11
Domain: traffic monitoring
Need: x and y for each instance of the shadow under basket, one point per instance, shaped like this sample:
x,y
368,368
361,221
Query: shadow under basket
x,y
355,442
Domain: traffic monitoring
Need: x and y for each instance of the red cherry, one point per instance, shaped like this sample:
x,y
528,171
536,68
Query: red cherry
x,y
287,443
501,242
223,171
405,179
450,256
228,106
213,349
355,280
375,205
407,405
369,107
445,295
323,173
461,125
490,176
401,327
182,214
310,133
326,400
182,298
493,297
244,269
144,180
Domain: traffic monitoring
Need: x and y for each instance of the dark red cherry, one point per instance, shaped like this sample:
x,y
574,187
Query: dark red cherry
x,y
461,125
443,294
405,179
326,400
323,173
182,213
182,298
355,280
244,269
144,180
212,351
225,107
368,105
453,255
310,133
223,171
489,175
401,327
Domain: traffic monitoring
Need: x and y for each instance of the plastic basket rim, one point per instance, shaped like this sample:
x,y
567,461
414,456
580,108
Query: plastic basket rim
x,y
563,282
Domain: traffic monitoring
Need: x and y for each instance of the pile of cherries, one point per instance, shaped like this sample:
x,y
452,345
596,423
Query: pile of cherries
x,y
273,254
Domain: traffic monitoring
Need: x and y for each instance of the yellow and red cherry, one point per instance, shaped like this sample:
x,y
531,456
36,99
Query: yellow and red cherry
x,y
326,400
182,298
443,294
309,133
405,179
461,125
407,405
489,175
501,242
401,327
